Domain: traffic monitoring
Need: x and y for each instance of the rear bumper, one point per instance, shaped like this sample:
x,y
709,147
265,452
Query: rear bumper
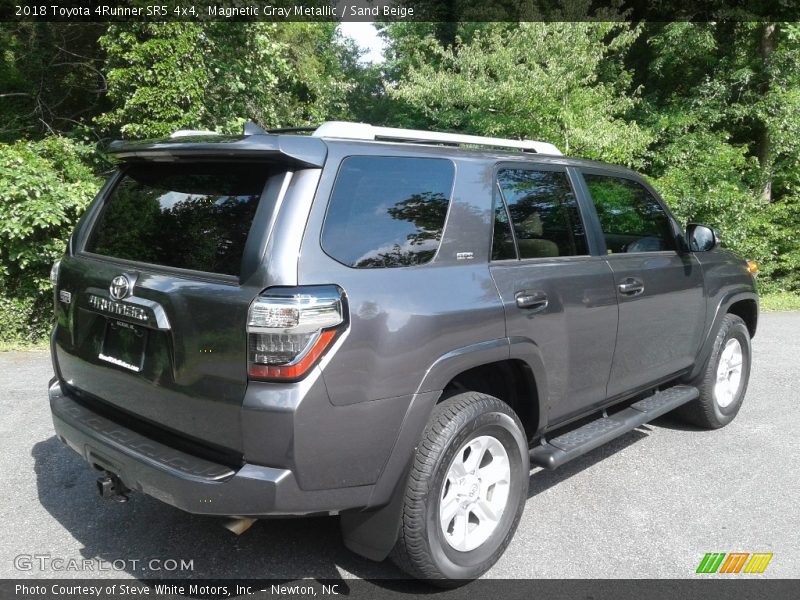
x,y
187,482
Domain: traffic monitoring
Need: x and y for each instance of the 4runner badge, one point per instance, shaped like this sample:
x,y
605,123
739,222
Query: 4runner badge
x,y
120,287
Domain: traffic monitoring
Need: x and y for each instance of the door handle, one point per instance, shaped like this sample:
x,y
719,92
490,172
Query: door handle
x,y
531,300
631,286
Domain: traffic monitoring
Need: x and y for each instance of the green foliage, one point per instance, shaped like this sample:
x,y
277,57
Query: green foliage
x,y
707,110
50,78
216,75
44,188
559,82
721,101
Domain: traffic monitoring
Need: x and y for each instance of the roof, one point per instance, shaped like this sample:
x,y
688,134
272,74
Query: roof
x,y
311,150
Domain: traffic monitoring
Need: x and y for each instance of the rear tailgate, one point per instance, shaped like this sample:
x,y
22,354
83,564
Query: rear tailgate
x,y
193,364
152,301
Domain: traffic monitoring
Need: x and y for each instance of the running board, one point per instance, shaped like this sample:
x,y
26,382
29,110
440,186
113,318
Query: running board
x,y
556,452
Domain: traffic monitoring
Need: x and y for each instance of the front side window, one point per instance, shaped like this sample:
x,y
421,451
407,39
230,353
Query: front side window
x,y
190,216
632,220
387,211
544,213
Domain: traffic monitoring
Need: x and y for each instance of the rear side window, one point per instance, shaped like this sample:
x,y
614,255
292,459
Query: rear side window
x,y
632,220
387,211
190,216
544,213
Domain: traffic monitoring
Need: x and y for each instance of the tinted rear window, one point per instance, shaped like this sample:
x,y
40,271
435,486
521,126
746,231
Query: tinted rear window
x,y
387,211
189,216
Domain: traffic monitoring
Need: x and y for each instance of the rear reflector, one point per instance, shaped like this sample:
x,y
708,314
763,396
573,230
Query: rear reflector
x,y
288,330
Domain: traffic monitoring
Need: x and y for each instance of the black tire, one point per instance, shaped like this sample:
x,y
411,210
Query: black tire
x,y
706,411
421,549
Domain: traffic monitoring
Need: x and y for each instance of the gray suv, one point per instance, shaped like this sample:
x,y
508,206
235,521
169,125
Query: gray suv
x,y
387,325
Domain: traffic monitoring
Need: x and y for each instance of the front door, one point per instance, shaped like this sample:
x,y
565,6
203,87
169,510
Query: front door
x,y
659,288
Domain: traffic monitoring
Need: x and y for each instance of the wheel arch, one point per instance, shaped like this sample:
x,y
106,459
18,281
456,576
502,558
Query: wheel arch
x,y
372,532
510,369
744,304
747,310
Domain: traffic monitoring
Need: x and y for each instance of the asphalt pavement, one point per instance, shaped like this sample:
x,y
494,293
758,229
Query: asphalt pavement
x,y
648,505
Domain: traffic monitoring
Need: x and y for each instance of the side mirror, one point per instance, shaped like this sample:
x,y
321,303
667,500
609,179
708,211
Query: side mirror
x,y
701,238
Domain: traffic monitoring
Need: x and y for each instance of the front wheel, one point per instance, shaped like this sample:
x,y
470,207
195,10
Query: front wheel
x,y
465,492
724,382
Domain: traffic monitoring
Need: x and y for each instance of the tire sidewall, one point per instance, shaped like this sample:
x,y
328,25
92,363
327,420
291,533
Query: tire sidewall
x,y
468,565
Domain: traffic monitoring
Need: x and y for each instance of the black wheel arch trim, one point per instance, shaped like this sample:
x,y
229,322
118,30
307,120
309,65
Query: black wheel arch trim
x,y
445,368
722,309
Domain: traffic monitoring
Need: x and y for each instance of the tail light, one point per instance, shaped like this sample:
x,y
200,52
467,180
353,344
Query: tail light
x,y
54,272
288,331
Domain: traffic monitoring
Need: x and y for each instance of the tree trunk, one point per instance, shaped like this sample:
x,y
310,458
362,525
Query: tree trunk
x,y
763,147
447,27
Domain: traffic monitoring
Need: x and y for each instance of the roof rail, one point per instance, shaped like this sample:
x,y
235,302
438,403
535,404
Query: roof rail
x,y
191,133
364,131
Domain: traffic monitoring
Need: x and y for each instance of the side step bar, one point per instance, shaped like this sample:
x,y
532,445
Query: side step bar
x,y
556,452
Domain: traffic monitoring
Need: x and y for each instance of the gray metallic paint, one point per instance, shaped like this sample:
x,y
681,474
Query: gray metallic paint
x,y
344,435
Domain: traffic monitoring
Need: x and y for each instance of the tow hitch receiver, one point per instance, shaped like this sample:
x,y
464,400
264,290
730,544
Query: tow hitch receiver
x,y
110,487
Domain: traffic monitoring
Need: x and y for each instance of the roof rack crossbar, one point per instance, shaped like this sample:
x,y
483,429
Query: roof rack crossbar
x,y
364,131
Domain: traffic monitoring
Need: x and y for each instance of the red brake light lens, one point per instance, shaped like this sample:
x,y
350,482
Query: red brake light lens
x,y
289,332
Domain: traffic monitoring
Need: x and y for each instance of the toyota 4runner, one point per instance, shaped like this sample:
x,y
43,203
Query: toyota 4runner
x,y
387,325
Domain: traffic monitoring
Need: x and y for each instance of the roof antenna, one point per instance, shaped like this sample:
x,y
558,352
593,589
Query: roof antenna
x,y
251,128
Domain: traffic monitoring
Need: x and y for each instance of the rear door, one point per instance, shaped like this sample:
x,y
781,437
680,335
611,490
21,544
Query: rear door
x,y
659,289
557,289
152,303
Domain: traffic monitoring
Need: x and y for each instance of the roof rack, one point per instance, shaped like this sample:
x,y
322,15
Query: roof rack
x,y
191,133
364,131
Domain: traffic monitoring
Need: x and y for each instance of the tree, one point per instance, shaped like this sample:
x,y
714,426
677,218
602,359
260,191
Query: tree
x,y
50,78
44,188
216,75
561,82
721,100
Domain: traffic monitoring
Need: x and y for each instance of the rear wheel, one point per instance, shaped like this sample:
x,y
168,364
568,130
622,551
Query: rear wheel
x,y
465,492
723,384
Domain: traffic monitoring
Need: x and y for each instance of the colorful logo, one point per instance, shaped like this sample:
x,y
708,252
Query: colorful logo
x,y
734,562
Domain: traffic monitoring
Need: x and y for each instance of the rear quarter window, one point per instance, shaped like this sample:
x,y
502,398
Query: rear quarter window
x,y
387,211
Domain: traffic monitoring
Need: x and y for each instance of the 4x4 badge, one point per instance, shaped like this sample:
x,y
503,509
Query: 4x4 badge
x,y
120,287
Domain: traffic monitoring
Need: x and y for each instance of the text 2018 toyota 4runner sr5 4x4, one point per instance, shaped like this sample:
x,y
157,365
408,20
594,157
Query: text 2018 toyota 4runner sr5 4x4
x,y
381,324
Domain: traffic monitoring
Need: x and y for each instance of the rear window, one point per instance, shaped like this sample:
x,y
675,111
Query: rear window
x,y
190,216
387,211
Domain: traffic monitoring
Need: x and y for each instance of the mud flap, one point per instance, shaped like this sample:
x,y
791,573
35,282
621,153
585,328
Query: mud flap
x,y
373,533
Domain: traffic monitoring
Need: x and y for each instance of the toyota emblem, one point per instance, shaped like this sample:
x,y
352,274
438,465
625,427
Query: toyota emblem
x,y
120,287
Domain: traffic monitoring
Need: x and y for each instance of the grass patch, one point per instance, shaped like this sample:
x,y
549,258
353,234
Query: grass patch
x,y
24,346
778,301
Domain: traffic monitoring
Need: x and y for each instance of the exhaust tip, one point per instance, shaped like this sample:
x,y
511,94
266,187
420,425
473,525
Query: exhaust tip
x,y
239,525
